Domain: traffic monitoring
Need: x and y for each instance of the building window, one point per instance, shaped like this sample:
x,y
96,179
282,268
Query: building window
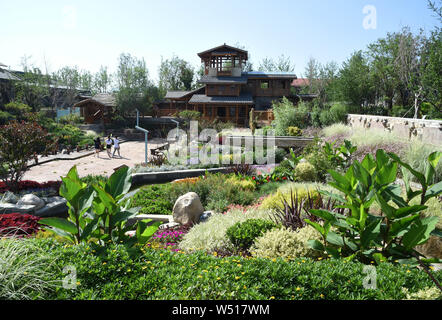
x,y
265,84
283,84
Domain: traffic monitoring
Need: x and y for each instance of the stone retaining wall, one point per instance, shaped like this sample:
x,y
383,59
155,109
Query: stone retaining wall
x,y
426,130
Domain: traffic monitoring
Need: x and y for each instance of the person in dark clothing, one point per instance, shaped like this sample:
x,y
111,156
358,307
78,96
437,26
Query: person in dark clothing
x,y
97,143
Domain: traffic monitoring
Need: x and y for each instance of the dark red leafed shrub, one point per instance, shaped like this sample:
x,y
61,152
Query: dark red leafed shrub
x,y
28,184
18,224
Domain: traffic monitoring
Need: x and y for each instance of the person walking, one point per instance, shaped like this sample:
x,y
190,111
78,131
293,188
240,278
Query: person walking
x,y
116,146
97,143
109,143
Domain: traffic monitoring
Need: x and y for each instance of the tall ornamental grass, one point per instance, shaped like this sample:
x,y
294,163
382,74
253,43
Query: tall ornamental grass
x,y
24,270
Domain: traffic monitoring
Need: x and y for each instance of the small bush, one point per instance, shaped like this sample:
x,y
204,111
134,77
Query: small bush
x,y
336,113
305,171
294,131
286,243
153,199
211,235
275,201
242,234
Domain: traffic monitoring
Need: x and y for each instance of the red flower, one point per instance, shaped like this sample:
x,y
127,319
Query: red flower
x,y
284,178
253,178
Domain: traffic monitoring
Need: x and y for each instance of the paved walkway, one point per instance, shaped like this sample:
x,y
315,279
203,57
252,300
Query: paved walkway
x,y
132,153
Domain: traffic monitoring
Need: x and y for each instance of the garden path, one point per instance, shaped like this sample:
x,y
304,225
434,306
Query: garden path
x,y
132,153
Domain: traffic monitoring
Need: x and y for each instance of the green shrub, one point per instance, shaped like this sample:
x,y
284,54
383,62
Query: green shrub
x,y
152,199
305,171
189,115
432,293
116,273
19,110
400,111
211,235
336,113
287,115
5,117
294,131
286,243
415,154
243,234
302,190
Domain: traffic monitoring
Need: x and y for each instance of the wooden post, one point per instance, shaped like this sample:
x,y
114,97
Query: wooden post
x,y
236,114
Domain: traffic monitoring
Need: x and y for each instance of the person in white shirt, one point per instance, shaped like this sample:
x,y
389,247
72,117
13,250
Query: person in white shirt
x,y
109,142
116,146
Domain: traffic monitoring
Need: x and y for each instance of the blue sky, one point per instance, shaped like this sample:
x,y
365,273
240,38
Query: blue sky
x,y
94,32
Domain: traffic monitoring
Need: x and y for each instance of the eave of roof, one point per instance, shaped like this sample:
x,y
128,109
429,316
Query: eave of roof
x,y
230,48
241,99
223,80
180,94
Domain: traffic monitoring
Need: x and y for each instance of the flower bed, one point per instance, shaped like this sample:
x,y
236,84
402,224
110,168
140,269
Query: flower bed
x,y
29,185
18,224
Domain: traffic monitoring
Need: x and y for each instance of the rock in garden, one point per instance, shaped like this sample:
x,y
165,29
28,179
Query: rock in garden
x,y
16,208
31,200
205,216
187,209
55,207
169,225
9,197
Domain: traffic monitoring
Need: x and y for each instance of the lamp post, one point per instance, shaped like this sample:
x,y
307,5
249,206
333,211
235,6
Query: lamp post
x,y
145,136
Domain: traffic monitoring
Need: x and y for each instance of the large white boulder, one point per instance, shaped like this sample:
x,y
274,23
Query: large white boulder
x,y
31,200
188,209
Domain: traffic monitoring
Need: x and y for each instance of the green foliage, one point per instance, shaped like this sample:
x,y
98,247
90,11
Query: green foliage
x,y
305,171
71,119
153,199
364,236
243,234
19,143
294,131
276,200
5,117
286,243
211,235
116,273
96,212
336,114
287,115
189,115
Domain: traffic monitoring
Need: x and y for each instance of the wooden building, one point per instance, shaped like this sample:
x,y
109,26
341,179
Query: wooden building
x,y
227,92
97,109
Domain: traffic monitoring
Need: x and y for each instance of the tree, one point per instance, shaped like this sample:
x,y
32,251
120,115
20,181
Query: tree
x,y
31,90
431,72
354,84
68,79
102,80
437,9
282,64
175,74
133,81
19,143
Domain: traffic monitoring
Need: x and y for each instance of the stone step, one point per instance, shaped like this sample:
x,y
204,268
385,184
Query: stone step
x,y
154,217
